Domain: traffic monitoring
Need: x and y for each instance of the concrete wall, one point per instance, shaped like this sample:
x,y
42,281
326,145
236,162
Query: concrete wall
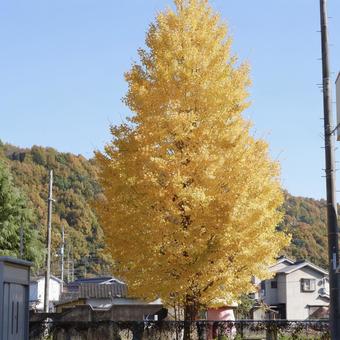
x,y
84,323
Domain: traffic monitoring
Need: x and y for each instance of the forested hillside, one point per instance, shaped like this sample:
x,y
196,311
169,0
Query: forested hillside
x,y
305,219
75,187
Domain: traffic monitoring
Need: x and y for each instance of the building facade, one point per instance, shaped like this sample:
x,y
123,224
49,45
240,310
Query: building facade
x,y
298,291
37,292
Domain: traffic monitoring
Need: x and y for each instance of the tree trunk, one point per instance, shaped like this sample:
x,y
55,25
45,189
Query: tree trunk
x,y
190,316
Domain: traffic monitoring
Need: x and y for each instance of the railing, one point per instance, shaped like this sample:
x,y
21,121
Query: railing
x,y
174,330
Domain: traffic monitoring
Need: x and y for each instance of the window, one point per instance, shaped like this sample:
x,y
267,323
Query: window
x,y
307,285
263,288
273,284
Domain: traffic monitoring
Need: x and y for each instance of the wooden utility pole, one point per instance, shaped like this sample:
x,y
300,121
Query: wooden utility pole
x,y
85,267
68,264
21,241
48,245
332,224
62,257
72,269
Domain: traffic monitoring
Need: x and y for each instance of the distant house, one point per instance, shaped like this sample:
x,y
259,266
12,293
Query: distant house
x,y
37,292
99,280
105,293
298,291
99,293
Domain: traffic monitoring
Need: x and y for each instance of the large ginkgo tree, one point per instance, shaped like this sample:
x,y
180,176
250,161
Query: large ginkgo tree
x,y
191,197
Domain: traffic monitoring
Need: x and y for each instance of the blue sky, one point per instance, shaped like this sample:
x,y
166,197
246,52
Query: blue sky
x,y
62,65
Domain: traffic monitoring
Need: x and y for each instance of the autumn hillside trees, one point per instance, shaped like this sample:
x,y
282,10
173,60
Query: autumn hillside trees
x,y
75,186
16,218
304,218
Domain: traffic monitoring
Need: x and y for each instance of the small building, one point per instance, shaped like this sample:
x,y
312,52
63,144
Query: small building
x,y
37,292
98,292
106,294
299,290
14,285
98,296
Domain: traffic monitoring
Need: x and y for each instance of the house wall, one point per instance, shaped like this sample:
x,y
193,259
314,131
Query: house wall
x,y
70,304
281,288
33,291
259,314
99,303
105,303
297,300
221,314
37,291
130,301
271,294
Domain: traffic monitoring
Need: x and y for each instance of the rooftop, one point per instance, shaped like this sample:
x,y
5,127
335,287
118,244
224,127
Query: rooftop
x,y
293,266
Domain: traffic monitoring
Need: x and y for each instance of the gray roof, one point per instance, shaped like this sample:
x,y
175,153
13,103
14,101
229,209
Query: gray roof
x,y
93,290
97,279
289,269
72,286
15,260
284,259
299,265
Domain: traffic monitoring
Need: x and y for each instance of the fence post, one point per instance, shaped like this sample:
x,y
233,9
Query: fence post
x,y
271,331
240,329
201,330
138,331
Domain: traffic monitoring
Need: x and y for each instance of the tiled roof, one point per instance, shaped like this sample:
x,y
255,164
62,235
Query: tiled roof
x,y
92,290
74,286
98,279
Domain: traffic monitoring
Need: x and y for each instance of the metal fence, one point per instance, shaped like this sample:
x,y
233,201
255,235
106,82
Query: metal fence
x,y
174,330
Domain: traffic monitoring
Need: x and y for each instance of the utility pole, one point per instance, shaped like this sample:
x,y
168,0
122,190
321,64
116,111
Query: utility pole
x,y
68,264
48,244
332,224
72,269
21,241
62,257
85,267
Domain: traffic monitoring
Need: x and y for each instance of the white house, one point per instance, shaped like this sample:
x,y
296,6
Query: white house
x,y
298,291
37,292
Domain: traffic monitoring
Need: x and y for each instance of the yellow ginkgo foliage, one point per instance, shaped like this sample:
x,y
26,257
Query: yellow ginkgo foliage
x,y
191,197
